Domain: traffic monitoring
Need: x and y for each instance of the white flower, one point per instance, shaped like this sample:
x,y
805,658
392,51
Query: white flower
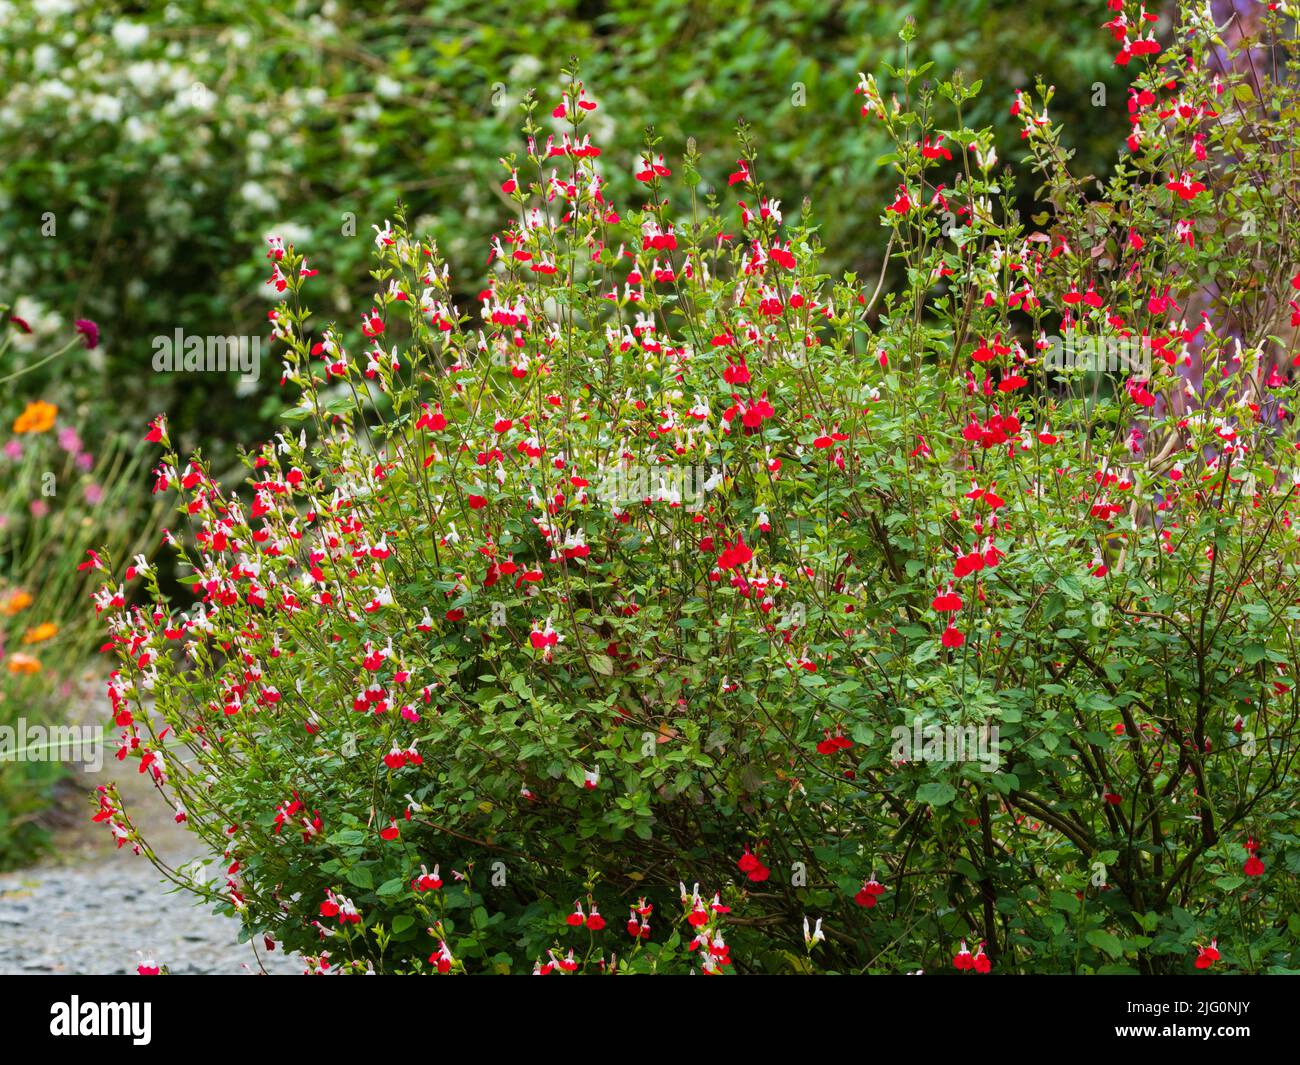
x,y
816,935
137,130
128,36
54,8
44,59
105,108
258,196
293,233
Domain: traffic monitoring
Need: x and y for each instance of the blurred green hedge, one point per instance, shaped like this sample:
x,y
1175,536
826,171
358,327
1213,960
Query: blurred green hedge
x,y
149,149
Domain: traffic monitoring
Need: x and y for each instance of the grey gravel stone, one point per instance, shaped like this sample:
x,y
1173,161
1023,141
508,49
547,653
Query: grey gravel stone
x,y
91,907
50,924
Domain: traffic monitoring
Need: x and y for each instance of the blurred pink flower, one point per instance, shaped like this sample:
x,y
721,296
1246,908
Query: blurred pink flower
x,y
89,331
94,493
69,440
14,449
85,461
39,508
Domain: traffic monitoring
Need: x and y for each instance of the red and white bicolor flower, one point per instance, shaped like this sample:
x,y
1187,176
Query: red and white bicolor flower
x,y
638,923
1206,956
340,906
441,958
978,962
384,238
545,639
869,894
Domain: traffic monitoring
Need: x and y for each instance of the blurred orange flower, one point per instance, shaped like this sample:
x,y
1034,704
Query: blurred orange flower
x,y
43,631
37,418
16,602
20,663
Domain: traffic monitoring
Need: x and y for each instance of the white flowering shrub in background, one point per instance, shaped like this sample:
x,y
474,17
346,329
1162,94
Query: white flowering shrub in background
x,y
148,150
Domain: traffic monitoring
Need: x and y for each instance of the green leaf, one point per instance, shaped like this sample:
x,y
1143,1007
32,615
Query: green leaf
x,y
347,837
1105,941
936,793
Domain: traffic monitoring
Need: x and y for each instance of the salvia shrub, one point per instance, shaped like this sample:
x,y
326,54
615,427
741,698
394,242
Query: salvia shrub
x,y
681,607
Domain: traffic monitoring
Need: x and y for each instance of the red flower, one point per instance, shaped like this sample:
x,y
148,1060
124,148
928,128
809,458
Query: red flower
x,y
902,204
935,150
434,419
830,744
1138,392
735,555
371,324
869,894
757,412
638,925
1207,956
752,867
736,373
948,602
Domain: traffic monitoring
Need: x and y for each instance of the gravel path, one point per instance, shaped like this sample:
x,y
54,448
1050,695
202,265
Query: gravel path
x,y
91,907
91,919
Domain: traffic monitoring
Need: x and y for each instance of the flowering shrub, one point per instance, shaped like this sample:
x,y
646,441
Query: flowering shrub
x,y
677,561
